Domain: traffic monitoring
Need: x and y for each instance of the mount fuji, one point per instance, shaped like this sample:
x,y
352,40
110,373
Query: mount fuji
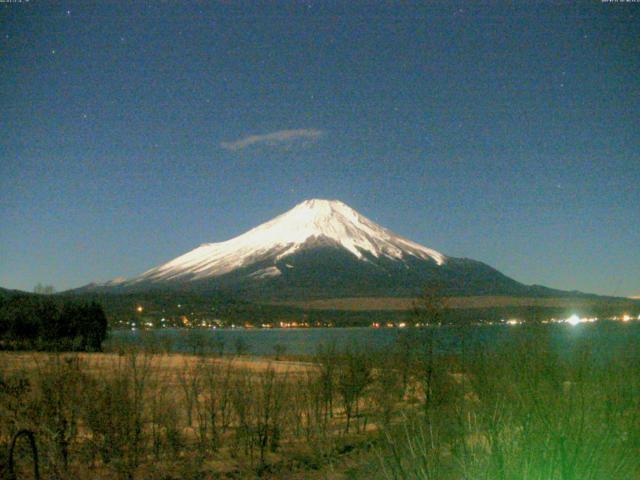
x,y
322,249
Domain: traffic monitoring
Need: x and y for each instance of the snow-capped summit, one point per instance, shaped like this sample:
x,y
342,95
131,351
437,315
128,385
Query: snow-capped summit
x,y
321,249
309,224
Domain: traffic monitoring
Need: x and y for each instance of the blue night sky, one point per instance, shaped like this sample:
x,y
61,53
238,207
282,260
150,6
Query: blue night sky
x,y
134,131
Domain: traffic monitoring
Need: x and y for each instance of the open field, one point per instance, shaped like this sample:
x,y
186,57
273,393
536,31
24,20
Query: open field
x,y
519,410
170,364
394,303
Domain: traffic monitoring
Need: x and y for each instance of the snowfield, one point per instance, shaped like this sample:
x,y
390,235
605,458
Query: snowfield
x,y
312,222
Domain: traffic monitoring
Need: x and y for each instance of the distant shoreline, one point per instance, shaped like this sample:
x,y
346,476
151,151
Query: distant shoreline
x,y
404,303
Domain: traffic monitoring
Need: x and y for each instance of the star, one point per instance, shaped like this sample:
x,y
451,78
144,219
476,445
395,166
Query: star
x,y
53,52
68,12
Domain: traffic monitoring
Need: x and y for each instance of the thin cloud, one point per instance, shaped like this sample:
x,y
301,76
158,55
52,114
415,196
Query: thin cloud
x,y
275,138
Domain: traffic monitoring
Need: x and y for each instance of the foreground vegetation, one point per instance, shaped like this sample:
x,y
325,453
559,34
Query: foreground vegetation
x,y
519,410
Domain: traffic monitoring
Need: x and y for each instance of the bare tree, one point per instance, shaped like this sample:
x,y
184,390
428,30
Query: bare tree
x,y
429,308
44,289
189,380
429,311
326,358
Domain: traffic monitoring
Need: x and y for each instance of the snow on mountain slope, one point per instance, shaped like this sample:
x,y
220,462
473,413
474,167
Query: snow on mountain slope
x,y
310,222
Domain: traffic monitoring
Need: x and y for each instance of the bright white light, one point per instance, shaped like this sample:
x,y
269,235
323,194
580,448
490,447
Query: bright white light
x,y
513,321
573,320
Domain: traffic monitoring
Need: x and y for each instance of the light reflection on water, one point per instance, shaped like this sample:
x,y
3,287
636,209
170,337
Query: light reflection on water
x,y
602,338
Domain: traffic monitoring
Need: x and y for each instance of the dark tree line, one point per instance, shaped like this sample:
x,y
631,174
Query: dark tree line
x,y
37,322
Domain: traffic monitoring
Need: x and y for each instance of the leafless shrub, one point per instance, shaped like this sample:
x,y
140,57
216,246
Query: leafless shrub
x,y
522,410
327,360
268,428
15,393
242,403
354,376
387,389
308,406
189,380
114,413
59,389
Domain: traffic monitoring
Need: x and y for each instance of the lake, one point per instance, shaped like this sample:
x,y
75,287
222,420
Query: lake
x,y
603,337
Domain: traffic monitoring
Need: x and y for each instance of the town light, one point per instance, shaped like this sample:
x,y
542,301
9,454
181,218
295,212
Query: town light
x,y
573,320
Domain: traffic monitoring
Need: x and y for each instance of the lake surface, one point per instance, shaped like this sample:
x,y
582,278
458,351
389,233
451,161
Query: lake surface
x,y
602,337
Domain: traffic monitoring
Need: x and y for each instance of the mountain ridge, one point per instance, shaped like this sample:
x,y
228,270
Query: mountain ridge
x,y
322,249
314,222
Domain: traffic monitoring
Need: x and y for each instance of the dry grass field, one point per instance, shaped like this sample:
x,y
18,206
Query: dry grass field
x,y
170,364
148,415
400,304
521,411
